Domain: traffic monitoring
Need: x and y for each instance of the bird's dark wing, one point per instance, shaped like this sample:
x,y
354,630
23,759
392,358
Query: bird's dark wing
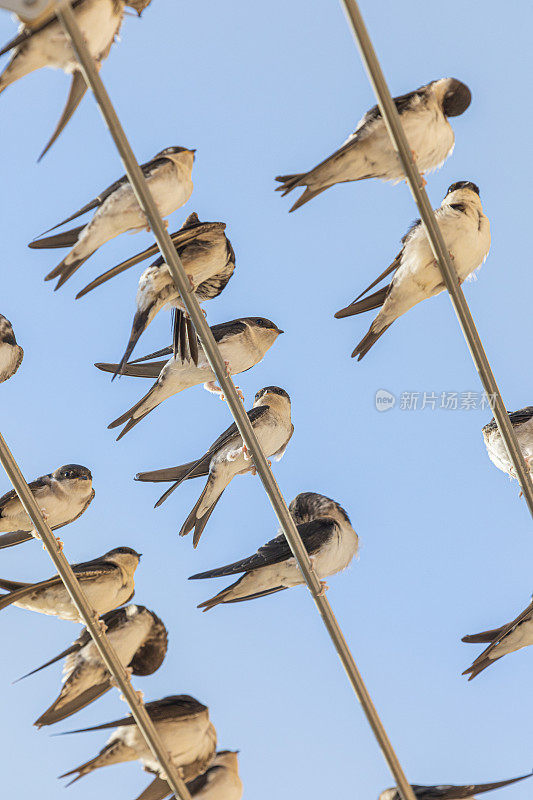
x,y
225,330
174,707
83,572
202,780
157,790
315,535
449,792
392,268
38,483
524,415
151,654
132,370
72,649
254,415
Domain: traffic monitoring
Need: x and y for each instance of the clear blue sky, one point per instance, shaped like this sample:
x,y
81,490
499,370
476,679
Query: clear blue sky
x,y
446,544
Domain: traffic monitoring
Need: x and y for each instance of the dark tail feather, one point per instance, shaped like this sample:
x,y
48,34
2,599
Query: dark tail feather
x,y
369,303
184,337
135,370
14,538
289,182
57,713
131,424
12,586
483,637
478,666
140,323
210,604
369,341
66,239
488,787
18,40
82,770
219,598
157,790
198,523
111,273
72,649
165,351
180,473
65,272
78,87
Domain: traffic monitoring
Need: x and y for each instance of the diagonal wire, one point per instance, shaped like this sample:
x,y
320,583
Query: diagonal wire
x,y
146,201
90,617
440,251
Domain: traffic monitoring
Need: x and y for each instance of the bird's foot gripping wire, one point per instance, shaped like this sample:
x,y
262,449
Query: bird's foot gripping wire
x,y
323,589
100,624
59,543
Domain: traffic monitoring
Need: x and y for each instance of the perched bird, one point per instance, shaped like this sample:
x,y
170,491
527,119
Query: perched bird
x,y
504,640
168,175
328,537
243,343
446,792
138,637
219,782
207,257
11,354
184,727
522,422
108,582
62,495
466,232
44,44
369,153
228,456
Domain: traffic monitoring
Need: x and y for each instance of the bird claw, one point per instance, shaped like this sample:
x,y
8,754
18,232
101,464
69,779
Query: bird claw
x,y
101,624
138,692
191,282
323,589
239,393
59,543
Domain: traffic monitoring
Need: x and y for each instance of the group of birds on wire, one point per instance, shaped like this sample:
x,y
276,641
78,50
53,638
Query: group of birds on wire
x,y
137,634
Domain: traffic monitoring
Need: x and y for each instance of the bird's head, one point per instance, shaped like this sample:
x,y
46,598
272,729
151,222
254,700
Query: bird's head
x,y
72,472
179,155
272,396
454,96
263,330
124,557
228,759
462,192
308,506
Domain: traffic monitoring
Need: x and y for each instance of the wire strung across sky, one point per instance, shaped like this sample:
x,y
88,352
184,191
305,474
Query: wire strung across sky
x,y
143,194
440,251
216,361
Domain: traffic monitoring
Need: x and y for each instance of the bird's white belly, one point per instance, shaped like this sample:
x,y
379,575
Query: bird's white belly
x,y
126,641
103,595
498,453
98,22
9,356
185,741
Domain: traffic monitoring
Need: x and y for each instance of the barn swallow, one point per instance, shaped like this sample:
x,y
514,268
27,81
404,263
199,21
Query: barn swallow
x,y
168,176
11,354
138,637
501,641
522,422
328,537
369,152
45,45
108,582
62,496
228,456
450,792
243,343
219,782
183,724
209,261
466,232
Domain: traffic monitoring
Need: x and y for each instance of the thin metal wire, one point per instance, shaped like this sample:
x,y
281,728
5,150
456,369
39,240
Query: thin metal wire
x,y
90,617
438,246
216,361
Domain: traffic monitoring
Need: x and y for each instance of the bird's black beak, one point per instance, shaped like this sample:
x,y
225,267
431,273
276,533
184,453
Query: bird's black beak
x,y
279,331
